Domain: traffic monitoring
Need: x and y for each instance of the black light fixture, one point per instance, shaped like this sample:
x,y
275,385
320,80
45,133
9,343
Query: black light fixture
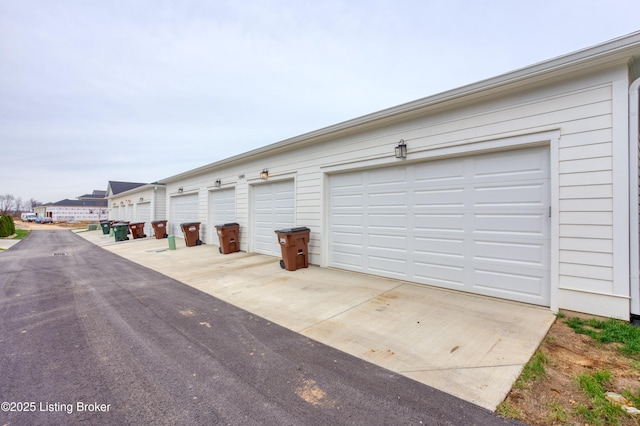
x,y
141,199
401,149
264,174
180,190
218,182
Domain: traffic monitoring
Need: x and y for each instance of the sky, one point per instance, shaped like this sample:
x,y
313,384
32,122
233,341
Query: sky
x,y
141,90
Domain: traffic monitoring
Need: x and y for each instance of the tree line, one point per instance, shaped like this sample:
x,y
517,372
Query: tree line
x,y
12,205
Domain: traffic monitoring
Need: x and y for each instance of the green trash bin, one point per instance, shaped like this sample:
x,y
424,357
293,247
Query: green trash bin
x,y
120,231
106,227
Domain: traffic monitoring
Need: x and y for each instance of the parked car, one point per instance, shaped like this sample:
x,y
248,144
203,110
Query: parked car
x,y
47,220
28,217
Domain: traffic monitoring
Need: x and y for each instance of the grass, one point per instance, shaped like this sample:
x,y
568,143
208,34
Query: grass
x,y
20,234
506,409
599,411
610,331
535,369
557,413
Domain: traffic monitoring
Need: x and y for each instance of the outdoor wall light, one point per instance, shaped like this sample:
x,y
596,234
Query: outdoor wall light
x,y
401,149
264,174
218,182
141,199
122,203
180,190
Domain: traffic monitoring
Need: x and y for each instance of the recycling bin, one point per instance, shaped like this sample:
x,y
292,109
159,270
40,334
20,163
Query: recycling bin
x,y
120,230
294,244
228,234
106,227
160,229
191,233
137,230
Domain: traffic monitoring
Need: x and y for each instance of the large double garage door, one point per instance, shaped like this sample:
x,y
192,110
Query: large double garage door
x,y
478,224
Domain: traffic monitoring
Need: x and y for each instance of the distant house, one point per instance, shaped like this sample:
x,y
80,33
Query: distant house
x,y
136,202
88,207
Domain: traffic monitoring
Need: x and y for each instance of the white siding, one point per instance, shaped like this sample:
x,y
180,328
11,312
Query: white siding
x,y
579,108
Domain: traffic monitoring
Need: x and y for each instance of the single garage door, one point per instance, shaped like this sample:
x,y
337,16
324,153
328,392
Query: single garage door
x,y
143,214
222,209
184,208
273,208
478,224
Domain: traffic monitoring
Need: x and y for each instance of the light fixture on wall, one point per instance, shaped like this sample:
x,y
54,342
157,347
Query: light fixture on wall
x,y
122,203
141,199
180,190
129,202
218,182
401,149
264,174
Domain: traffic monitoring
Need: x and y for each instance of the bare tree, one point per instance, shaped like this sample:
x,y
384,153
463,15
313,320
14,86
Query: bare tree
x,y
7,204
32,204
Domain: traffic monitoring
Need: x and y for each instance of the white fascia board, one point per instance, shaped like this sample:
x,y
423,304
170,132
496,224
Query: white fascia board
x,y
136,190
619,49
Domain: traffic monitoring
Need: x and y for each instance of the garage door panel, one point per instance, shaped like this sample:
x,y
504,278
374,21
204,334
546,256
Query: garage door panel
x,y
527,195
436,273
512,165
387,199
531,225
523,254
183,209
439,173
439,222
440,198
273,208
489,281
438,246
387,242
477,224
388,266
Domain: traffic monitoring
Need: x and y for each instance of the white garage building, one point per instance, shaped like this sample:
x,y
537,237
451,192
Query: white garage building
x,y
137,202
523,187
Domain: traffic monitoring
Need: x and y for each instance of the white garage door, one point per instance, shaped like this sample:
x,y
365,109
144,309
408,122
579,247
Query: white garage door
x,y
143,214
273,208
222,206
222,209
183,209
478,224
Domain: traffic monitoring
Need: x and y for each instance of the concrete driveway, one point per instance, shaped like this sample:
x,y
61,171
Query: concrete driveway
x,y
469,346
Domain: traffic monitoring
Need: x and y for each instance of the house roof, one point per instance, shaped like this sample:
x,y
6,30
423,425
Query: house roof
x,y
79,203
623,50
116,187
97,193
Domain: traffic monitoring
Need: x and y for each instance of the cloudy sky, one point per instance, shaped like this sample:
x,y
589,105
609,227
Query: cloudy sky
x,y
140,90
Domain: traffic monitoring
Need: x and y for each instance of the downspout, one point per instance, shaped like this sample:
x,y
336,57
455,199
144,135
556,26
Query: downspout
x,y
634,199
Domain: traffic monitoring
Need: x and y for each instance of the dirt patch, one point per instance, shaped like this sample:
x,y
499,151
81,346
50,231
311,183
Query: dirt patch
x,y
58,225
553,399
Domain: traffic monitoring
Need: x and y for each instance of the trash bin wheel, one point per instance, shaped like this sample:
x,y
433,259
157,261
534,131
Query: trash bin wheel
x,y
282,263
199,242
220,250
165,236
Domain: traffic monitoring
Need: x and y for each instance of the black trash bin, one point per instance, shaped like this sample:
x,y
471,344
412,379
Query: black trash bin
x,y
191,233
294,244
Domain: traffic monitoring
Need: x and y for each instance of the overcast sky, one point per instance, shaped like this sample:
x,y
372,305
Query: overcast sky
x,y
92,91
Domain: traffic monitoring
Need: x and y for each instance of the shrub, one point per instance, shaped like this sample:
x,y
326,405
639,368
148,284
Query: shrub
x,y
7,227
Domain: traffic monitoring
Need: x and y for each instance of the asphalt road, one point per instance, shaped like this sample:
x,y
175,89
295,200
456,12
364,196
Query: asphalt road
x,y
87,337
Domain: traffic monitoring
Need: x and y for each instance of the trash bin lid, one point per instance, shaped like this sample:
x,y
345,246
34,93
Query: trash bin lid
x,y
293,230
189,223
227,224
